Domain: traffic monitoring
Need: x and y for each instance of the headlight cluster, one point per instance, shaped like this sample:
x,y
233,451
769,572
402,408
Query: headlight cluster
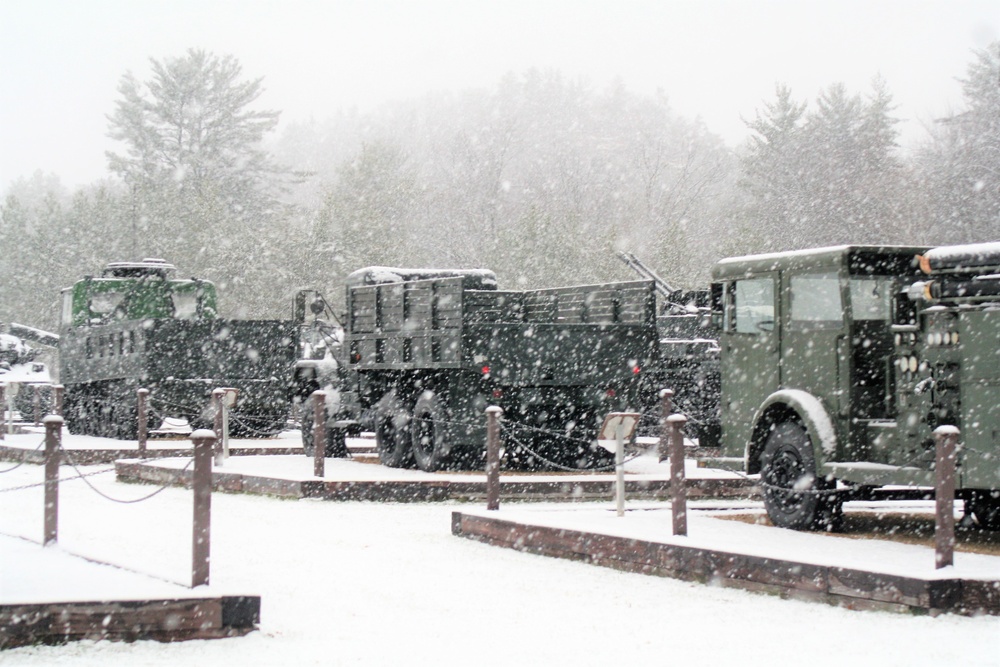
x,y
942,338
906,339
907,364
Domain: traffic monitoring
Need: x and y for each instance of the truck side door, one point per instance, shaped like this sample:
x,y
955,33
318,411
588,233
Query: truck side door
x,y
815,350
749,355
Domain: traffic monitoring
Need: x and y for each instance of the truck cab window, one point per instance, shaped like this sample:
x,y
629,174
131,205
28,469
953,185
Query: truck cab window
x,y
816,300
754,305
871,298
185,305
104,303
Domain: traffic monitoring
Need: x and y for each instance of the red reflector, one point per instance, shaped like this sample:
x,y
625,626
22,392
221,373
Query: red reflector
x,y
610,393
486,370
635,370
497,393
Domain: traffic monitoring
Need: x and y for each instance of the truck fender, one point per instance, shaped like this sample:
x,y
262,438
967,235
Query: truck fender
x,y
808,409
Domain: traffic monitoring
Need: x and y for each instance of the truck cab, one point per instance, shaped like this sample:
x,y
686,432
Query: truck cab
x,y
806,350
135,291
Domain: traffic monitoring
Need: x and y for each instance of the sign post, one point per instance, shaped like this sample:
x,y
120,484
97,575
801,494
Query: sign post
x,y
12,388
617,428
227,401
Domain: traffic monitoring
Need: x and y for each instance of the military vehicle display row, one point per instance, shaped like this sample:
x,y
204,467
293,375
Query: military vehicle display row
x,y
825,371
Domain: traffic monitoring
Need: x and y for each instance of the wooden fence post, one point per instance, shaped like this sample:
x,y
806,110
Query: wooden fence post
x,y
678,492
201,480
143,427
666,409
319,433
946,441
53,454
493,457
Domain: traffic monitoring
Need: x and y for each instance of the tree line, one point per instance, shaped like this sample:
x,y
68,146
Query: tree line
x,y
540,178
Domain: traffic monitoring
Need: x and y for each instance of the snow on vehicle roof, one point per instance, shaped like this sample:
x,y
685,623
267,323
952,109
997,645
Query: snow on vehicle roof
x,y
830,256
379,275
146,266
806,252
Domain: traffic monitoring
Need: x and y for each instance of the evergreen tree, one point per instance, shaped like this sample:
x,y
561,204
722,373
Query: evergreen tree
x,y
203,190
822,177
962,164
772,172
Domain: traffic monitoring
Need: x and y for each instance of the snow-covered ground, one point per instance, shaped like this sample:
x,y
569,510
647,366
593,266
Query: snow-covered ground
x,y
387,584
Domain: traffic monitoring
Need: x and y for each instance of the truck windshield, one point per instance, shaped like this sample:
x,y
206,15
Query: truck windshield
x,y
104,303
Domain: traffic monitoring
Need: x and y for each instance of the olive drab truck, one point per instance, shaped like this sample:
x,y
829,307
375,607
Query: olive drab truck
x,y
137,326
837,364
425,352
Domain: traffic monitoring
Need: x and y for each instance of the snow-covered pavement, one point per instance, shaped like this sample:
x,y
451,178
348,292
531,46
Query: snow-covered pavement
x,y
387,584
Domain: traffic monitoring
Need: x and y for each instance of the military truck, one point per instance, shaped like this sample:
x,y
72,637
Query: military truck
x,y
837,364
136,326
424,353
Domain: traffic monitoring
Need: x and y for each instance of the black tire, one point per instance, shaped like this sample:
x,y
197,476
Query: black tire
x,y
392,432
429,443
793,495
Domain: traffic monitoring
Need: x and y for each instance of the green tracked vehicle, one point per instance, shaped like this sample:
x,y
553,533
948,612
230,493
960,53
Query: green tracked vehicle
x,y
137,326
423,353
837,364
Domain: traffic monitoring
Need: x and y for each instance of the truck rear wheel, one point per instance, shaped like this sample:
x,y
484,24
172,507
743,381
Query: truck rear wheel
x,y
392,432
793,494
431,450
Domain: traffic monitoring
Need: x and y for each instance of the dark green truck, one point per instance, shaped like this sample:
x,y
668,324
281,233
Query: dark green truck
x,y
423,354
137,326
837,365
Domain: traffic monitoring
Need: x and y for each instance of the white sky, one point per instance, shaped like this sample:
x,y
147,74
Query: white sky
x,y
61,60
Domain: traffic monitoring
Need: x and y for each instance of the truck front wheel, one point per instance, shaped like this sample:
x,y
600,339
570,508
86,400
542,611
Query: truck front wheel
x,y
392,432
793,494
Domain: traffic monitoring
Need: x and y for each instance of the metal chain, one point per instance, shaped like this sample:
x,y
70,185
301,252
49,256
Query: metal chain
x,y
185,410
69,459
548,431
24,458
658,415
560,466
68,479
507,425
189,411
243,422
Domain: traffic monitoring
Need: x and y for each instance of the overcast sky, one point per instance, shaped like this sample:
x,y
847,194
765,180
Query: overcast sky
x,y
61,60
